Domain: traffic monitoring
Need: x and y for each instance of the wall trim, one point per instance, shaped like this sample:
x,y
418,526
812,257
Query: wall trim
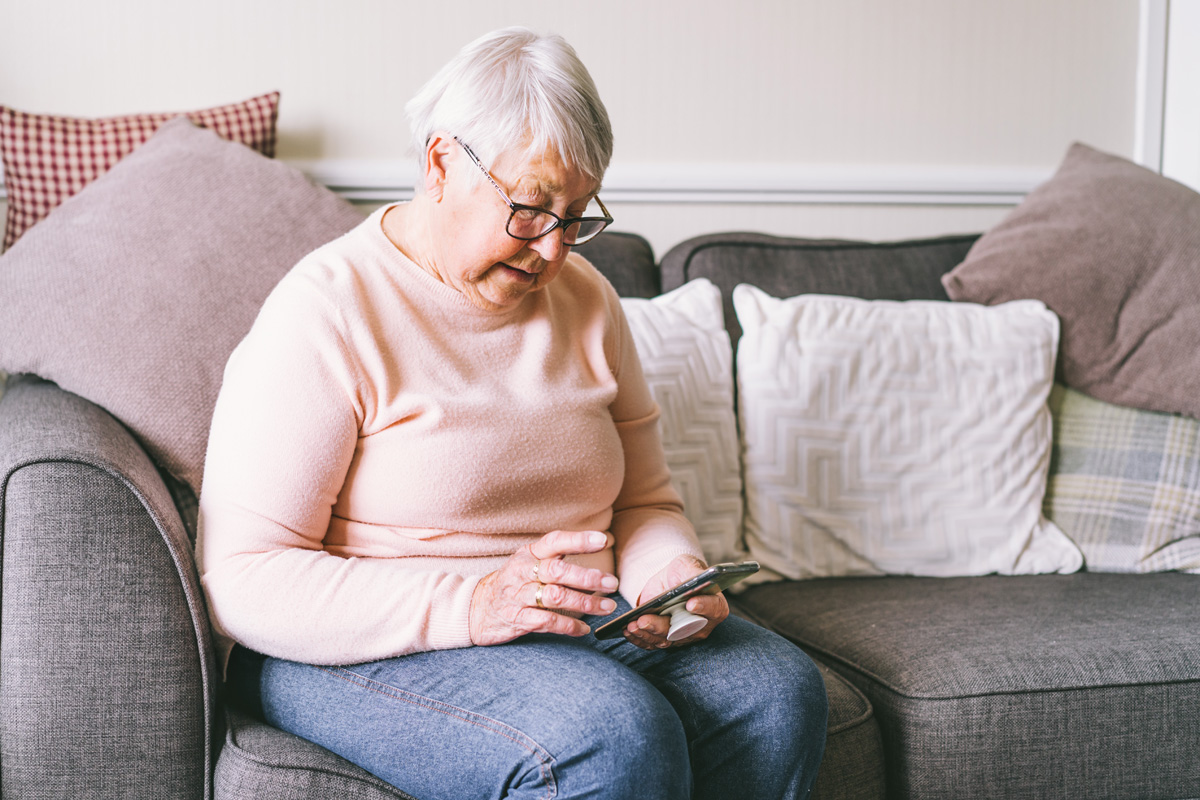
x,y
667,183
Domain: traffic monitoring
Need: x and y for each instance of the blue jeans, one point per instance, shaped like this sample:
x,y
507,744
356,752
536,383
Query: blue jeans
x,y
741,714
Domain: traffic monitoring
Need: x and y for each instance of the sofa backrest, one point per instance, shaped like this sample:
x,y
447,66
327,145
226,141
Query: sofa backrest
x,y
785,267
627,260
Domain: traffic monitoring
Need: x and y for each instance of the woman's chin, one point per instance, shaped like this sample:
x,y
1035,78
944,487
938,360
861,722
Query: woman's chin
x,y
502,291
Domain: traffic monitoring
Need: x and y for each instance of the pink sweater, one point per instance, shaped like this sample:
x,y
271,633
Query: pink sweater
x,y
379,445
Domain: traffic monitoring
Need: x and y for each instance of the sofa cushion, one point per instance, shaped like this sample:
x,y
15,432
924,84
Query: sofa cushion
x,y
884,437
1078,685
1125,484
49,158
783,267
259,761
688,363
852,767
1112,248
134,292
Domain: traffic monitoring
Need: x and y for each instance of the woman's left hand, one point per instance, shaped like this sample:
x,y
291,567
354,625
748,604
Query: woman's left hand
x,y
649,631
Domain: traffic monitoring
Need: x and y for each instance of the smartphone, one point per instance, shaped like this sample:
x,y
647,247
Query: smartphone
x,y
711,581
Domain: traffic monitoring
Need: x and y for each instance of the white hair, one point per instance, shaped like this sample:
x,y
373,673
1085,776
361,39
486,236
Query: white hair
x,y
515,89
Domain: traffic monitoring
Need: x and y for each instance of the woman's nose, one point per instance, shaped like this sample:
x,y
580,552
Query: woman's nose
x,y
550,247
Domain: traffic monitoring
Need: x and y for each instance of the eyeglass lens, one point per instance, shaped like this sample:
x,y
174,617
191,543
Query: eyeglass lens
x,y
527,223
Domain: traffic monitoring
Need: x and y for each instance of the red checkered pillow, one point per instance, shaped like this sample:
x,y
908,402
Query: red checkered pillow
x,y
47,159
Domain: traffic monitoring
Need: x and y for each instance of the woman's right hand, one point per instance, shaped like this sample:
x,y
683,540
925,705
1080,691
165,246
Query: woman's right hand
x,y
505,603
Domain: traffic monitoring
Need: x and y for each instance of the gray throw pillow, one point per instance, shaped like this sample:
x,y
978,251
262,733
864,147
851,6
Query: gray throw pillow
x,y
134,292
1114,250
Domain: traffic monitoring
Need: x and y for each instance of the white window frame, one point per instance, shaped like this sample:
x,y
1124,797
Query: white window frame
x,y
1167,137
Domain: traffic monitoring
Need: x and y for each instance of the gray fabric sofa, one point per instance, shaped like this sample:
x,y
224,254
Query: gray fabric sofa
x,y
1079,685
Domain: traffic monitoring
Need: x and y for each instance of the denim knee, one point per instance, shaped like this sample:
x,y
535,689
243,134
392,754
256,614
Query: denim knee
x,y
793,708
633,745
801,679
767,728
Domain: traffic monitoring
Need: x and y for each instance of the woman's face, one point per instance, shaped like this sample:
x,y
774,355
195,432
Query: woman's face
x,y
477,256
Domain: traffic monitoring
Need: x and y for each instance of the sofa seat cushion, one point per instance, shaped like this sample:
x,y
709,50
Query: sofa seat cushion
x,y
259,761
1079,685
852,768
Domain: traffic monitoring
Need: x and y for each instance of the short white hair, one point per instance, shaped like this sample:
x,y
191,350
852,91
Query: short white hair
x,y
513,88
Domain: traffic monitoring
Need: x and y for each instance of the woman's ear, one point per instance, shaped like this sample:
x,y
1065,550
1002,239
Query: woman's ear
x,y
437,152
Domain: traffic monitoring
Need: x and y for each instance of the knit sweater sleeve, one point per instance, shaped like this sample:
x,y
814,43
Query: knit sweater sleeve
x,y
283,436
648,522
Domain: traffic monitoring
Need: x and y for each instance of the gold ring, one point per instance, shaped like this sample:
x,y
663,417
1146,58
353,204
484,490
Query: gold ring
x,y
538,597
536,566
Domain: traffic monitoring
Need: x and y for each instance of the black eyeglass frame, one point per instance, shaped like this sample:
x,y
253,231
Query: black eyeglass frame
x,y
559,222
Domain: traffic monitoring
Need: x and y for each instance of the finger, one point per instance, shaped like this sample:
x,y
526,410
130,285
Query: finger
x,y
560,598
710,606
642,638
588,579
539,620
643,643
650,630
565,543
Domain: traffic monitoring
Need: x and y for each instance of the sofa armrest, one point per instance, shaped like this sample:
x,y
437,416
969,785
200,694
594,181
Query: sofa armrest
x,y
107,682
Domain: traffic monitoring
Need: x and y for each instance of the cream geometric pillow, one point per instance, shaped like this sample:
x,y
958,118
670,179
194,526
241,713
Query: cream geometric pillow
x,y
887,437
688,362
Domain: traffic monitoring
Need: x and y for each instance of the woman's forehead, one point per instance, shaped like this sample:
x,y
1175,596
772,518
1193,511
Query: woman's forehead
x,y
548,171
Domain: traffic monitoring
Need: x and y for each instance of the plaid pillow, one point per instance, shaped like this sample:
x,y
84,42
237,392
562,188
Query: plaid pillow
x,y
1125,484
47,159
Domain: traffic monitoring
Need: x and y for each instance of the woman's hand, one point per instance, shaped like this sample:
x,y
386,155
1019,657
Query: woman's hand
x,y
507,604
649,631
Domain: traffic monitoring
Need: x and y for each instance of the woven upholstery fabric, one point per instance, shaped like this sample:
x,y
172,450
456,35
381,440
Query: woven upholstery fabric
x,y
1111,247
134,292
1125,484
259,761
627,260
107,682
783,267
852,767
1079,685
49,158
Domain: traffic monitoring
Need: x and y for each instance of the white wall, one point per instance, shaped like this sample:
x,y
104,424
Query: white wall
x,y
869,118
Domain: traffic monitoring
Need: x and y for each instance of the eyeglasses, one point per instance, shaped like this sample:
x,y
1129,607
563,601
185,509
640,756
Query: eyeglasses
x,y
528,223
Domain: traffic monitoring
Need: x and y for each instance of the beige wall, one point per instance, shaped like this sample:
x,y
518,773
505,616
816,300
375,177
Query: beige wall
x,y
773,87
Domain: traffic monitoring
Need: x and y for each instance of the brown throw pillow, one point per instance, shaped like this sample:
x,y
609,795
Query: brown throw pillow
x,y
134,292
1114,250
49,158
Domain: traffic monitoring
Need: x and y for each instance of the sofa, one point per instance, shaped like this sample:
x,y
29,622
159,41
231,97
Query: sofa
x,y
1067,680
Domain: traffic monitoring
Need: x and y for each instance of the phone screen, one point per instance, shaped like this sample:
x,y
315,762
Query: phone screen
x,y
711,581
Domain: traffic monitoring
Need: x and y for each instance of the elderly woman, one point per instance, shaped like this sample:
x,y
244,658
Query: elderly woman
x,y
434,466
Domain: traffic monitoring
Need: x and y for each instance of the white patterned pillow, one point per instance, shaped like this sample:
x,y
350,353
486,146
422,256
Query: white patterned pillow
x,y
688,361
909,438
